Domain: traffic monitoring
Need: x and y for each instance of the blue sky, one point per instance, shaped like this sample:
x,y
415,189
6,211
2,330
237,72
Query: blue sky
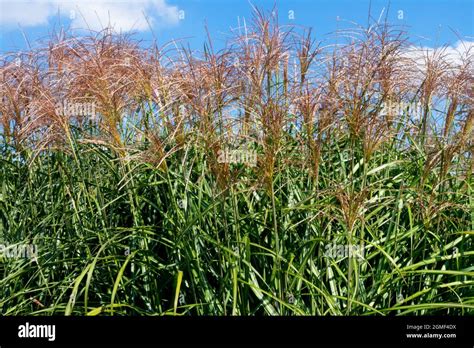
x,y
430,23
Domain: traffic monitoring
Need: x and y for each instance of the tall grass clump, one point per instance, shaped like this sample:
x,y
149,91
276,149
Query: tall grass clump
x,y
278,175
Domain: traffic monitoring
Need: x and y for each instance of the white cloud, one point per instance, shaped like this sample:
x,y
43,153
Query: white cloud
x,y
25,13
95,14
453,55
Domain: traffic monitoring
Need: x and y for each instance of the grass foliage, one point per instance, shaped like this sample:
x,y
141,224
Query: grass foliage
x,y
133,213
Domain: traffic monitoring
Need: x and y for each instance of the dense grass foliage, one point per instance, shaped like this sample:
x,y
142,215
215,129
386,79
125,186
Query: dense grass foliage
x,y
134,213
